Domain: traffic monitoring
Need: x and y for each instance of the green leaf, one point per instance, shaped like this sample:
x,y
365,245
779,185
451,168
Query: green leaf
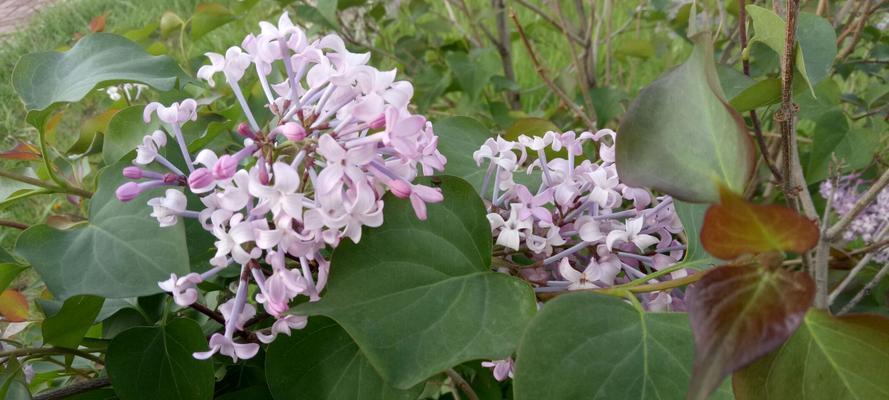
x,y
740,313
608,103
589,346
125,131
419,297
157,363
46,79
67,327
12,381
692,217
323,362
815,36
473,70
732,81
458,138
529,127
763,93
630,46
828,358
855,148
120,252
10,268
207,17
680,137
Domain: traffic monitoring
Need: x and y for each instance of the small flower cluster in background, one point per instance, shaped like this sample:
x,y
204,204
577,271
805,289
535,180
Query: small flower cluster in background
x,y
340,138
580,227
872,224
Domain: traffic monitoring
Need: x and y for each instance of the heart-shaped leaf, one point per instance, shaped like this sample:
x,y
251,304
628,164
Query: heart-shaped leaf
x,y
156,363
740,313
828,358
736,227
120,252
419,297
48,78
322,362
681,137
589,346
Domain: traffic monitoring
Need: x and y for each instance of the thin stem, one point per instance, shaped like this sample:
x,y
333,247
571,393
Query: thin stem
x,y
786,115
754,119
541,71
865,290
552,21
54,351
578,65
503,46
837,229
462,384
75,388
46,185
857,268
13,224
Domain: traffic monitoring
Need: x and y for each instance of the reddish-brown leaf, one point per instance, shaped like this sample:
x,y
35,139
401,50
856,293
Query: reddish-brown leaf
x,y
97,24
13,306
736,227
740,313
22,151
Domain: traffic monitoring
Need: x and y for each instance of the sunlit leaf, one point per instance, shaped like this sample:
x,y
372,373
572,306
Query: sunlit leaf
x,y
680,137
50,78
740,313
828,358
736,227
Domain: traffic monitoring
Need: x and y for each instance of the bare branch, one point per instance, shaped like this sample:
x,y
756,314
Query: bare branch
x,y
75,388
862,203
462,384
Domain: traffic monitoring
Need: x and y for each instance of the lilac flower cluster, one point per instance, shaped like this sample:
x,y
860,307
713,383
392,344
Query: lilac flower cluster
x,y
340,138
580,228
870,225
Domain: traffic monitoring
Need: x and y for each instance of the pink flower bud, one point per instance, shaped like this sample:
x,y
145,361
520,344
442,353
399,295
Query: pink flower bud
x,y
128,191
245,131
292,131
200,178
171,178
225,167
132,172
400,188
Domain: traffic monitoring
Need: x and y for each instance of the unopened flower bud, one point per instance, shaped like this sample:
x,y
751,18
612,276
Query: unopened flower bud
x,y
225,167
292,131
400,188
128,191
171,178
245,131
200,178
132,172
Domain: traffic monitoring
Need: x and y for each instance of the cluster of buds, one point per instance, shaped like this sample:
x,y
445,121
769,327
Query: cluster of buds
x,y
872,224
341,136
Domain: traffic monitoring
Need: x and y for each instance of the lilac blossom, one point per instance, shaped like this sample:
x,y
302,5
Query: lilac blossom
x,y
341,135
868,225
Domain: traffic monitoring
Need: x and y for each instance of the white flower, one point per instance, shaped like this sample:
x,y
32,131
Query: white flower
x,y
232,65
168,208
579,280
631,234
174,114
183,289
147,151
510,230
